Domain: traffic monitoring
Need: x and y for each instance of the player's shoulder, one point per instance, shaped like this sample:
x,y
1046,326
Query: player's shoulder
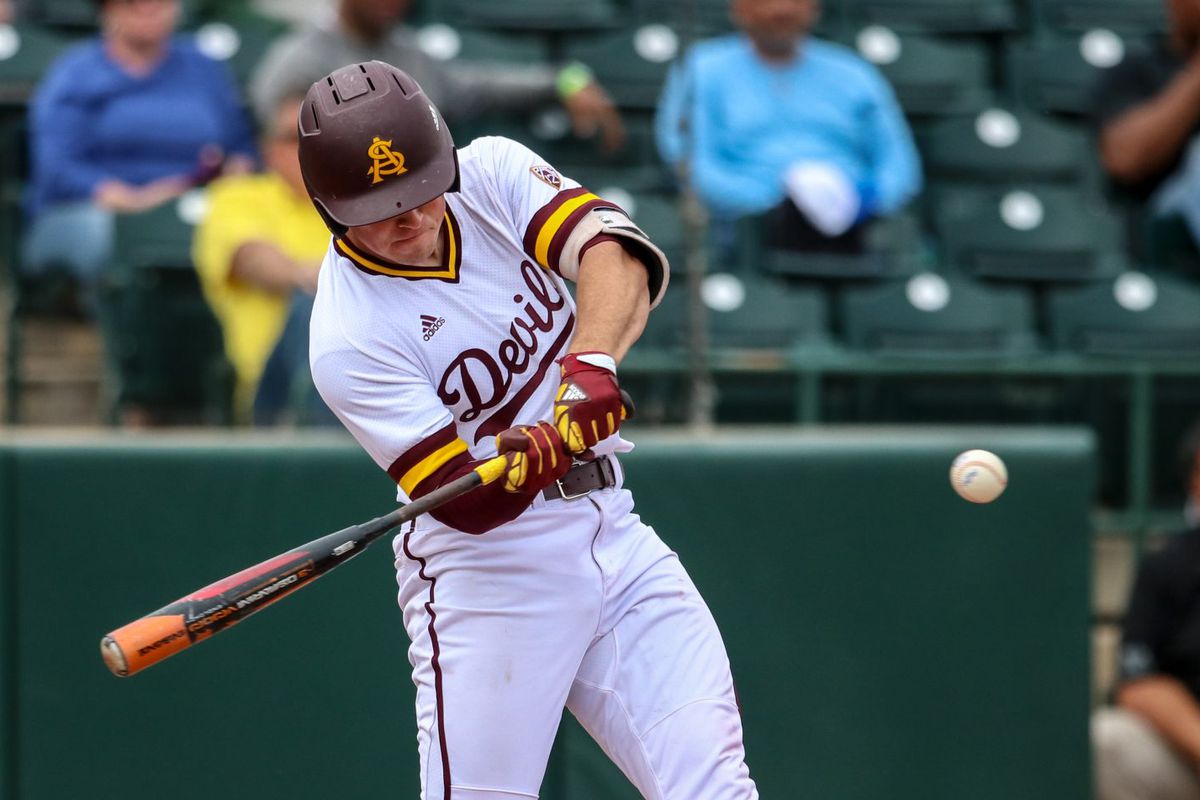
x,y
497,161
494,152
719,51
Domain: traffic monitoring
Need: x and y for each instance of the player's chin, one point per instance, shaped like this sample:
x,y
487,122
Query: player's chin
x,y
412,248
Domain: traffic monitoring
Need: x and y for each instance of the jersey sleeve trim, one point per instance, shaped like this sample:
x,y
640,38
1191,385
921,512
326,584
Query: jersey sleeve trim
x,y
426,457
551,226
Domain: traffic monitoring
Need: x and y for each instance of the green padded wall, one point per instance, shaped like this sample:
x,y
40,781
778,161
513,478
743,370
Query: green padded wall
x,y
888,639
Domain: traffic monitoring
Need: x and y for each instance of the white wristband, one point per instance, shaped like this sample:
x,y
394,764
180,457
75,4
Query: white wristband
x,y
602,360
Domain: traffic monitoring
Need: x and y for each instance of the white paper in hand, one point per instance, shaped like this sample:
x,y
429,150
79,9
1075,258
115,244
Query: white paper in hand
x,y
824,194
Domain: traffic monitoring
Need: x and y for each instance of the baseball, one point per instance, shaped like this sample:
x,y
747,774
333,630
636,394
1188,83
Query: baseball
x,y
978,476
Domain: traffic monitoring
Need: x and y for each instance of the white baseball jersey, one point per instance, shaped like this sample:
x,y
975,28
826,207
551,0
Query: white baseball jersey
x,y
422,363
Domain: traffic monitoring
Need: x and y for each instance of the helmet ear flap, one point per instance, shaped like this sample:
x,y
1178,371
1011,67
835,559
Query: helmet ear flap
x,y
457,185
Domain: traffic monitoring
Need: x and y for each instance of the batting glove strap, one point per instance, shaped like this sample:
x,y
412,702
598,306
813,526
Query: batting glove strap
x,y
587,406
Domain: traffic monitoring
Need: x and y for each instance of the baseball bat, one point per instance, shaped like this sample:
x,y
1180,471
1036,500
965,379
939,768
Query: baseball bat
x,y
191,619
194,618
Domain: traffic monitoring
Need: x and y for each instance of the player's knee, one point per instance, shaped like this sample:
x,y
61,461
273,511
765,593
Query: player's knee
x,y
699,755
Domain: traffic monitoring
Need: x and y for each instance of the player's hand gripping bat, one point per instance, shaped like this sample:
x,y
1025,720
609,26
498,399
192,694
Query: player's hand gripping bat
x,y
194,618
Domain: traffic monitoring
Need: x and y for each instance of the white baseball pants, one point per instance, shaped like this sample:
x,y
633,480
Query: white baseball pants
x,y
576,603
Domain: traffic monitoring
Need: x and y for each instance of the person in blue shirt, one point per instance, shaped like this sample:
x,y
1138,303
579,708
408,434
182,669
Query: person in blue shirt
x,y
119,124
771,121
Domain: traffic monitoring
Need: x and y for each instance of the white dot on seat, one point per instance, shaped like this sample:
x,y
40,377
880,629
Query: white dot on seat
x,y
997,128
723,292
879,45
1102,48
1022,211
1135,291
656,43
928,292
439,41
218,41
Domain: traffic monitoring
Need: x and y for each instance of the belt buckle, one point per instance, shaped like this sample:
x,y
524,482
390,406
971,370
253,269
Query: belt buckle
x,y
562,493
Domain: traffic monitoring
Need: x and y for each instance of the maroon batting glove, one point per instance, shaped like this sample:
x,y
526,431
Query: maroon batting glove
x,y
587,408
536,457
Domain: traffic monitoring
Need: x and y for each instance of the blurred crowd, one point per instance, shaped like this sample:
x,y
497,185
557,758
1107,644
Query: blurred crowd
x,y
837,163
987,187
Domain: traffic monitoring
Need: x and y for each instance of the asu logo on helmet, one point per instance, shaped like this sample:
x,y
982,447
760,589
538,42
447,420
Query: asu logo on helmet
x,y
387,161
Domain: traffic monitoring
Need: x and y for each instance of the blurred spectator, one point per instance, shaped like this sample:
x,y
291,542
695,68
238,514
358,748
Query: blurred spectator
x,y
121,123
1147,115
1148,745
258,252
8,12
774,120
366,30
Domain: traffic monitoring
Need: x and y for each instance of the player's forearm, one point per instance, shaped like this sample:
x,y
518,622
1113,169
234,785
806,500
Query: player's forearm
x,y
613,300
1149,136
1166,704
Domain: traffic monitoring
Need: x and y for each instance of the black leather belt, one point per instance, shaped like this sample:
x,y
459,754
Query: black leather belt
x,y
582,479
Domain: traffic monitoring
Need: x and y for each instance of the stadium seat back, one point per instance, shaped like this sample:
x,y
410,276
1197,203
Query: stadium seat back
x,y
936,16
930,76
534,15
26,53
938,316
1058,74
1124,16
631,64
1133,315
998,144
1034,234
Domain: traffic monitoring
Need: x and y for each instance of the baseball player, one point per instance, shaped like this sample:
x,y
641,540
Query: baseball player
x,y
442,335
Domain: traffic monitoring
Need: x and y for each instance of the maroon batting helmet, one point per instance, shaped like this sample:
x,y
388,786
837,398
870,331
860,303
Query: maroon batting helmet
x,y
372,146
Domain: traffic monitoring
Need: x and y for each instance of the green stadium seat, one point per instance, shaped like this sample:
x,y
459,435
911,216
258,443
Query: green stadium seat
x,y
534,15
240,40
936,16
631,64
1000,145
1033,234
746,313
756,325
1123,16
1058,74
694,19
894,248
938,316
930,76
26,52
164,343
445,42
1135,315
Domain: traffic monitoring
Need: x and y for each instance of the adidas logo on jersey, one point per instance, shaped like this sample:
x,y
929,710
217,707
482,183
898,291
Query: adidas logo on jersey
x,y
430,325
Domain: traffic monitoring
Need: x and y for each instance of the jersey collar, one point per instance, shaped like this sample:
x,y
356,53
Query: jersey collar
x,y
446,271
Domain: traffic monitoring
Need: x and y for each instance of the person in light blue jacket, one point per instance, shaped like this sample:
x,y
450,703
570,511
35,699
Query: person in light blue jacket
x,y
773,121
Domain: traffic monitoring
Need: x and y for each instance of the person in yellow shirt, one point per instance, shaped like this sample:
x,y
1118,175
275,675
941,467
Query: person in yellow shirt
x,y
258,252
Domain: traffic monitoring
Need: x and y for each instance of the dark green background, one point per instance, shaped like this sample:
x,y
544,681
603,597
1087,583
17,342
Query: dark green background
x,y
889,640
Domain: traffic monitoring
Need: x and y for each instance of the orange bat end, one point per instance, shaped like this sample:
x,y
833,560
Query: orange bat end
x,y
130,649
